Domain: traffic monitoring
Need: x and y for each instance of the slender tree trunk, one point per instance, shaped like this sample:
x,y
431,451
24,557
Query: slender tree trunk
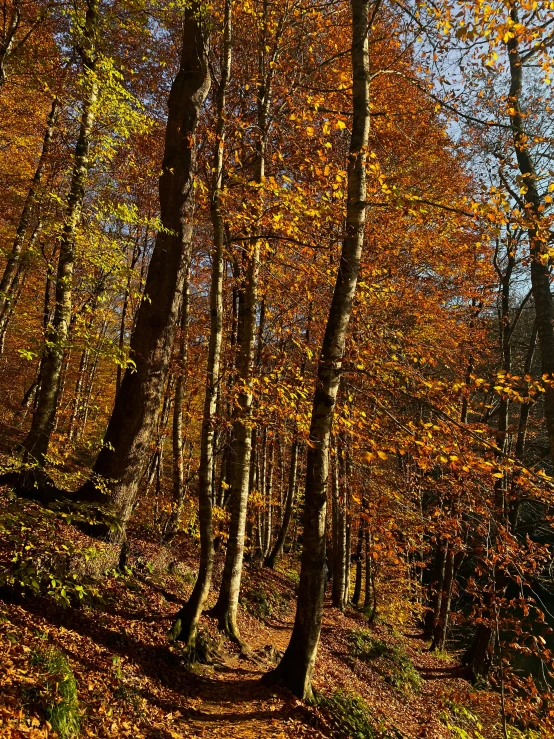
x,y
17,285
37,442
339,536
296,667
370,587
125,307
122,460
277,550
178,406
435,589
359,564
78,392
441,622
226,607
538,240
347,563
269,497
526,406
186,624
7,287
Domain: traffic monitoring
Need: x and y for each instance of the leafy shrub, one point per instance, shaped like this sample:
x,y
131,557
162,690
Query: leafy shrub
x,y
35,559
464,724
515,733
351,717
461,722
59,693
392,661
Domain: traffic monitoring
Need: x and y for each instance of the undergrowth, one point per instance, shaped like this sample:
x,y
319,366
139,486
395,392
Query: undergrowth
x,y
392,662
351,718
461,722
262,604
34,559
58,694
464,724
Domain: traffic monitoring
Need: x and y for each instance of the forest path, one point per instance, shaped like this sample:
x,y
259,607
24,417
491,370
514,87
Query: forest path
x,y
233,703
131,682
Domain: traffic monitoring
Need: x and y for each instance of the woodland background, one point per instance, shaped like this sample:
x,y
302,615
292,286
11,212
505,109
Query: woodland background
x,y
187,189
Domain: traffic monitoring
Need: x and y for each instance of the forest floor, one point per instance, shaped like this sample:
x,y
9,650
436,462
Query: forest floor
x,y
131,682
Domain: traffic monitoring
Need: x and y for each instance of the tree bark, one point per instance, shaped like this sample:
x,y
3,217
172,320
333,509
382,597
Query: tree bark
x,y
121,462
339,535
441,621
435,591
296,667
186,624
37,442
538,237
226,607
7,286
526,406
277,550
359,559
178,406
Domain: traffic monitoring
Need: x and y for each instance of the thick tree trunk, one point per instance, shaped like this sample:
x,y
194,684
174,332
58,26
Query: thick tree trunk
x,y
277,550
186,624
479,655
123,457
37,442
296,667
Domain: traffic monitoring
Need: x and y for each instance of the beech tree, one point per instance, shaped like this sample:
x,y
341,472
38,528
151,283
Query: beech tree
x,y
296,667
122,461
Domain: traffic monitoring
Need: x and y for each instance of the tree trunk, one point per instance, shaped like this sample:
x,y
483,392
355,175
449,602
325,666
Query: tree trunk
x,y
226,607
339,536
435,588
7,286
441,622
37,442
186,624
125,307
538,237
526,406
277,550
177,430
122,460
296,667
359,562
269,497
